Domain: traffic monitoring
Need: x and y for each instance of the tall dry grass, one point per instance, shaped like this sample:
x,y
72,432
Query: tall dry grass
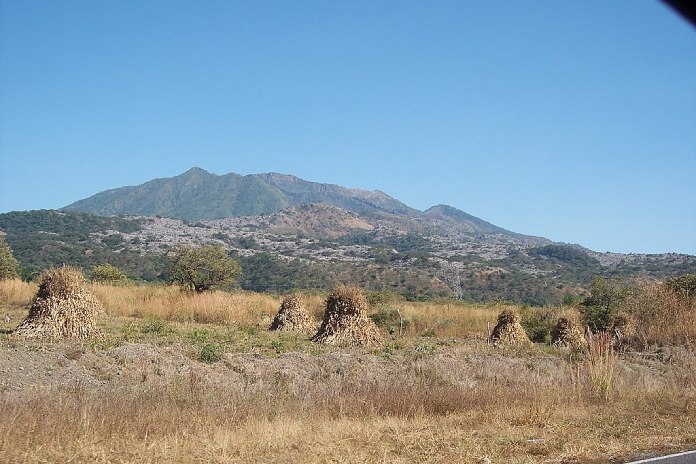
x,y
449,319
444,319
346,420
662,315
450,407
600,364
172,304
16,292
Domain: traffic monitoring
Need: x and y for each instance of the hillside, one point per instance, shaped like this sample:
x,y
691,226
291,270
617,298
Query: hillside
x,y
193,195
316,246
200,195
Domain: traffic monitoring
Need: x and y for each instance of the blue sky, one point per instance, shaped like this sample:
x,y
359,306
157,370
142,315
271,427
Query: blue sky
x,y
573,120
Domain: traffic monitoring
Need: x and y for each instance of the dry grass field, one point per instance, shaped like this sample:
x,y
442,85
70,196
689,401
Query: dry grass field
x,y
179,377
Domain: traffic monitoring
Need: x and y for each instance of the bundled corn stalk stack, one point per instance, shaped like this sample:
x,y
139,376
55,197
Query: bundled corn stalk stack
x,y
292,316
622,329
62,308
509,330
345,321
567,334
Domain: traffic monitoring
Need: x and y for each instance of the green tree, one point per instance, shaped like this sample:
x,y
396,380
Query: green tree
x,y
201,268
9,266
606,296
108,273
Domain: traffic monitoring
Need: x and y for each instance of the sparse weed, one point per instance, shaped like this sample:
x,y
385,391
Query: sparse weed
x,y
211,353
278,346
601,364
156,325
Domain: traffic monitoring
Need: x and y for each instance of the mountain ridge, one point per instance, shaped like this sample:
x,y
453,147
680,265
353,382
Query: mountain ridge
x,y
318,246
200,195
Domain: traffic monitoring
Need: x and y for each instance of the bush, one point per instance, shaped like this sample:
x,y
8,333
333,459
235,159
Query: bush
x,y
389,318
211,353
683,285
107,273
606,296
538,324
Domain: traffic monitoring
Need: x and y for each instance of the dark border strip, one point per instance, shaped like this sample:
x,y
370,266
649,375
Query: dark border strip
x,y
687,457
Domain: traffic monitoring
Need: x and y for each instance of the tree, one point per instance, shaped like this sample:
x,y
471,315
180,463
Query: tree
x,y
606,296
199,269
9,266
108,274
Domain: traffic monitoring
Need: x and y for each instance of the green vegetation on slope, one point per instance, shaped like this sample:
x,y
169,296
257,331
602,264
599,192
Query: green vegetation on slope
x,y
41,239
410,264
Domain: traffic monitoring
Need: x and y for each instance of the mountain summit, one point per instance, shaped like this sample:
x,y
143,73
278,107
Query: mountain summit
x,y
197,195
200,195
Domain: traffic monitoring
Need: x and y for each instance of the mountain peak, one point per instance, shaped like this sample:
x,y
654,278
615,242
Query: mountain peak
x,y
200,195
447,212
196,169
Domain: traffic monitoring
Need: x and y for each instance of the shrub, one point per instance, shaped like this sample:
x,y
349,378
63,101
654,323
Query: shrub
x,y
606,296
107,273
684,286
211,353
538,324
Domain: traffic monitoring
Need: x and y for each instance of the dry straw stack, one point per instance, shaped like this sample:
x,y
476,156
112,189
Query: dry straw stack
x,y
345,320
622,327
62,308
567,334
292,316
509,330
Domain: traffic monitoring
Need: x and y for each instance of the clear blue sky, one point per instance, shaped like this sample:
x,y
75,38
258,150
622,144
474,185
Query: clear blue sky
x,y
573,120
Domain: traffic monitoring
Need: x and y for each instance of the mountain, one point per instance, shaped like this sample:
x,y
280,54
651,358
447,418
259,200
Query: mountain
x,y
193,195
199,195
450,214
299,191
290,233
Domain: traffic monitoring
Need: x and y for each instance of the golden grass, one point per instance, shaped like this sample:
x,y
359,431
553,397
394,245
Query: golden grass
x,y
591,411
347,422
601,364
662,315
172,304
15,292
444,319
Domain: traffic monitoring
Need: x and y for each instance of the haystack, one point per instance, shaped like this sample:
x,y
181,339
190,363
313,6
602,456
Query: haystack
x,y
622,325
345,320
567,334
292,316
622,328
62,308
509,330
